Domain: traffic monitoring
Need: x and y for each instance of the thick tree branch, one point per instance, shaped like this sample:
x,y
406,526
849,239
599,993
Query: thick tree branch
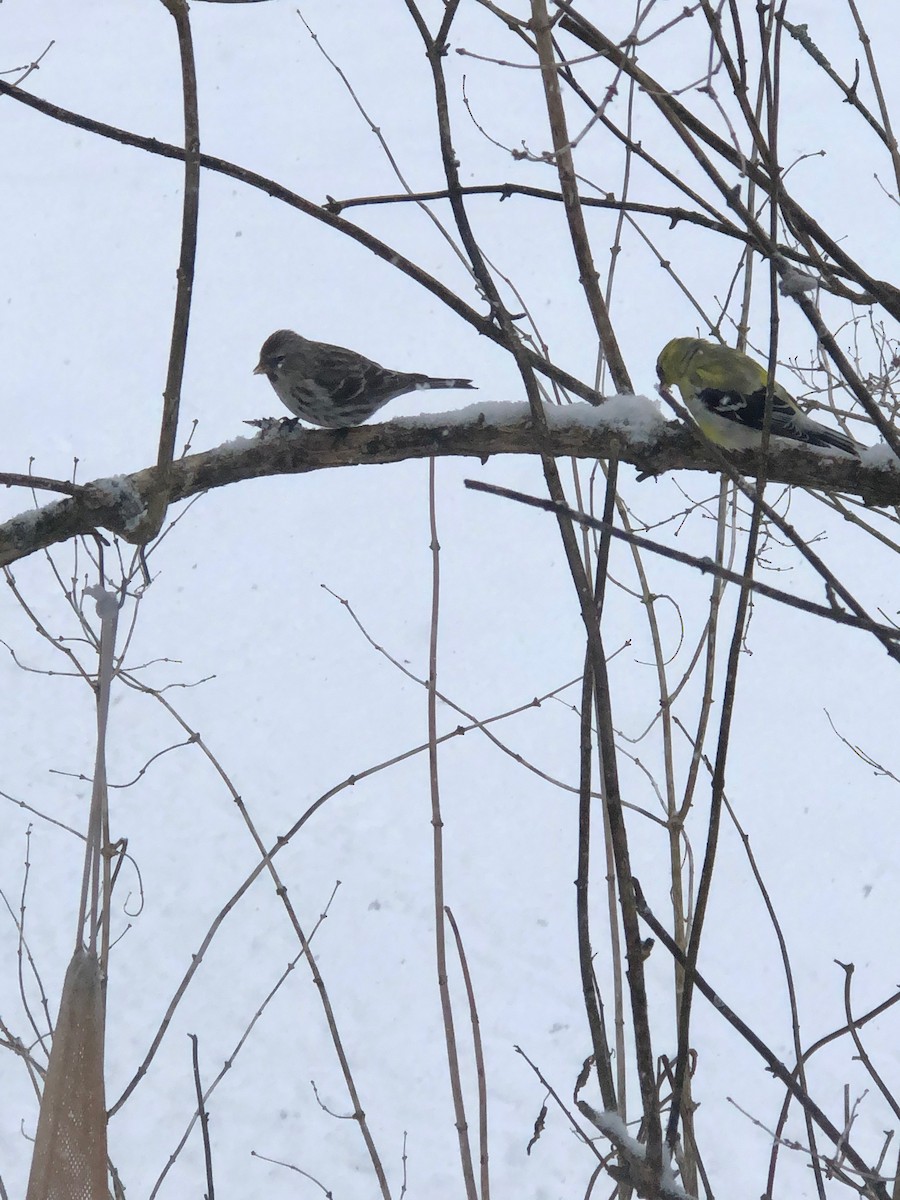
x,y
117,504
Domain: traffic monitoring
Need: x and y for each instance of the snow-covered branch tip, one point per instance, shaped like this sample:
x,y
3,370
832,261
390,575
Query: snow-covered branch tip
x,y
633,1168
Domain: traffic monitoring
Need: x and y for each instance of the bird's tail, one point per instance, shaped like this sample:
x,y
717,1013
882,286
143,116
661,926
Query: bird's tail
x,y
824,436
426,382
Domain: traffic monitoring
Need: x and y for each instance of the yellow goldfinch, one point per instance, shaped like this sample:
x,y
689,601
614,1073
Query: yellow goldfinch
x,y
725,392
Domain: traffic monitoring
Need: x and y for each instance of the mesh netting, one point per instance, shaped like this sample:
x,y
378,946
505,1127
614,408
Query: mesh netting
x,y
70,1147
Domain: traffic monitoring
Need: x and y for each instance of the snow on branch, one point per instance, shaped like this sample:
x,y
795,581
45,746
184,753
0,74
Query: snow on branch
x,y
629,428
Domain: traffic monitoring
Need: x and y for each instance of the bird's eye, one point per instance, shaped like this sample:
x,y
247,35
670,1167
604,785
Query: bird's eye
x,y
278,361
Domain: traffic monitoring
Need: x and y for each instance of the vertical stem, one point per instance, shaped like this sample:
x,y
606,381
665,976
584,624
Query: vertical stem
x,y
565,167
593,1007
478,1047
94,856
440,938
185,276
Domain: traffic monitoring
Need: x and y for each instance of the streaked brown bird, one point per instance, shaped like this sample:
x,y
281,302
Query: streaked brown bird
x,y
330,386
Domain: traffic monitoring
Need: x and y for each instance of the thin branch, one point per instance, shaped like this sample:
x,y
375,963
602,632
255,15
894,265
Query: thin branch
x,y
589,988
483,325
705,565
889,139
204,1116
152,522
437,822
875,1183
565,165
40,482
584,592
852,1028
478,1048
800,33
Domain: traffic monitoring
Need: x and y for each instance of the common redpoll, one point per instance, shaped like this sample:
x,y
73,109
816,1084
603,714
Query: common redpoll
x,y
331,386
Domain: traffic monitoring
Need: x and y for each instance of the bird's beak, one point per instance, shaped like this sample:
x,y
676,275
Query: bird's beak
x,y
260,368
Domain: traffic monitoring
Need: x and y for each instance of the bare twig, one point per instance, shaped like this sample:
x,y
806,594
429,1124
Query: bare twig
x,y
478,1049
706,565
152,522
540,25
40,482
864,1058
483,325
204,1117
589,990
874,1182
462,1127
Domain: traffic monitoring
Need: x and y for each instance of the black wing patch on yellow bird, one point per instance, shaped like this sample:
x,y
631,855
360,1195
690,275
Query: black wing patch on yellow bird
x,y
748,410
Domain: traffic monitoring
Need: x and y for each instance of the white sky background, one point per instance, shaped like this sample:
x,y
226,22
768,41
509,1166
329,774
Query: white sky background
x,y
298,702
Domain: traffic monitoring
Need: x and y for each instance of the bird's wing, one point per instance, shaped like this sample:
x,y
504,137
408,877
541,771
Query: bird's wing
x,y
749,409
733,386
346,375
721,367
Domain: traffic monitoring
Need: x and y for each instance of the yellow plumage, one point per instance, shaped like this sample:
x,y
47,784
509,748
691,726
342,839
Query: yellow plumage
x,y
725,392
